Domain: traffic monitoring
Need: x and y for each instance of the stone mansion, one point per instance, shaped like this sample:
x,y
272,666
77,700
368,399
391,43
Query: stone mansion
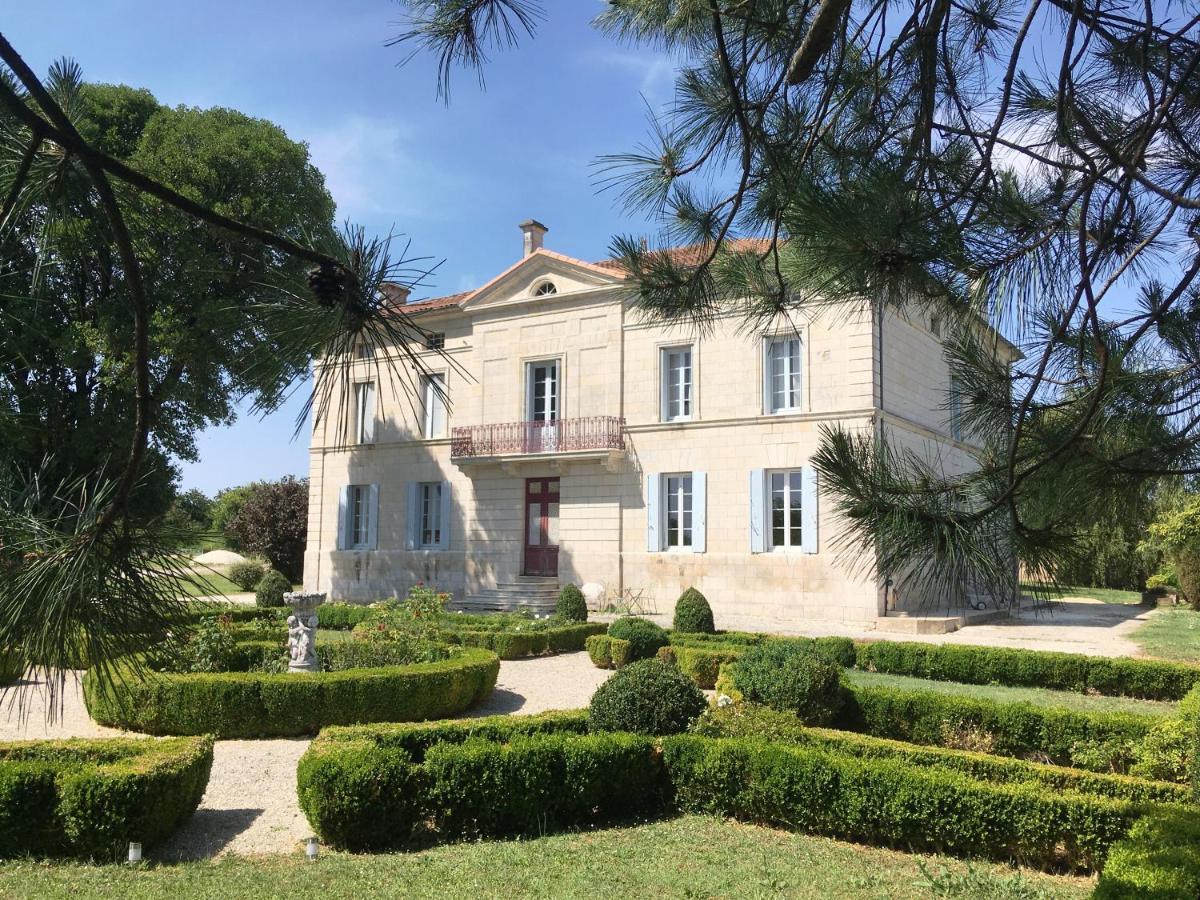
x,y
562,438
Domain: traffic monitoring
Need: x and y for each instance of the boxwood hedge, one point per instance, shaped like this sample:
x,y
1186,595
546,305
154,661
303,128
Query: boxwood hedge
x,y
1158,860
512,644
608,652
250,704
1123,677
90,798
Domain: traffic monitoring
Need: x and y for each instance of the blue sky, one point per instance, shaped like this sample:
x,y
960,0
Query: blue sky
x,y
456,179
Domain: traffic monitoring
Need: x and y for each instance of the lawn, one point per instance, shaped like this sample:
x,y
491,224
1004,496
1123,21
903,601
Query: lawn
x,y
210,582
1105,595
1173,632
1039,696
690,856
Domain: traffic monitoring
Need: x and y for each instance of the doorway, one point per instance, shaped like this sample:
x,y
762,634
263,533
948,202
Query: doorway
x,y
541,527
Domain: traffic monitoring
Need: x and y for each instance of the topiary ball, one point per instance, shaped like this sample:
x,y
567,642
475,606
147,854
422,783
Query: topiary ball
x,y
790,678
693,615
646,697
643,635
247,575
571,605
271,589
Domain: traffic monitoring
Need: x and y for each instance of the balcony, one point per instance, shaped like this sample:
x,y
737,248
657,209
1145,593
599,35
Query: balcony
x,y
589,438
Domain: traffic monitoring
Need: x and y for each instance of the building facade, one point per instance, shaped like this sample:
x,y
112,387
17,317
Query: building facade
x,y
557,435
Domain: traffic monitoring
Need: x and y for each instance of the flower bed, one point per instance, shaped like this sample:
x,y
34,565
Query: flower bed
x,y
90,798
251,704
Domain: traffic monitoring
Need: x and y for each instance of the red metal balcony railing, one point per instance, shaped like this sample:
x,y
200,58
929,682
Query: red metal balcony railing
x,y
561,436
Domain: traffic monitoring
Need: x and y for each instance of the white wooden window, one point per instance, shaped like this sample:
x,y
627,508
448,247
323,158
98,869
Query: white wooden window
x,y
434,390
677,512
676,381
364,412
782,367
431,514
541,391
678,508
358,517
783,510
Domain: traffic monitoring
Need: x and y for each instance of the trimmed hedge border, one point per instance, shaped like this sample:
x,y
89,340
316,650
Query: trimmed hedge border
x,y
1189,713
607,652
250,704
1158,860
700,664
921,717
1116,677
508,644
90,798
886,801
747,721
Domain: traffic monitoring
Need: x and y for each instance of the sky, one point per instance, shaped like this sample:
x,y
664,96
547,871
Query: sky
x,y
455,179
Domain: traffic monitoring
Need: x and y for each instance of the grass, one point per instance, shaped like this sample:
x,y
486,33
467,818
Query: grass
x,y
1173,632
1105,595
209,583
1003,694
690,856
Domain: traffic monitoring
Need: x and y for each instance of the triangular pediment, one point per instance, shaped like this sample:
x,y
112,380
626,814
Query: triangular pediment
x,y
520,282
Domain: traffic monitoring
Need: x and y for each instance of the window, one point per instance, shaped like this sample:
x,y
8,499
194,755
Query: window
x,y
435,340
366,350
360,516
364,412
431,514
678,508
787,514
434,404
676,384
781,384
545,288
955,406
541,392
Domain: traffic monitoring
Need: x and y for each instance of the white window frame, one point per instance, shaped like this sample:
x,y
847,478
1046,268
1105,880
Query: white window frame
x,y
431,515
364,412
433,425
554,398
677,400
793,373
789,489
359,529
683,494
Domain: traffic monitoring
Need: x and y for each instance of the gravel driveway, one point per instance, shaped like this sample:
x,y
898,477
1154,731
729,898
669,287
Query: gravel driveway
x,y
250,806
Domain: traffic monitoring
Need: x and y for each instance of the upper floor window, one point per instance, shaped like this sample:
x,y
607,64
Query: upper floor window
x,y
364,412
434,405
545,288
955,407
365,350
781,370
541,391
676,380
435,340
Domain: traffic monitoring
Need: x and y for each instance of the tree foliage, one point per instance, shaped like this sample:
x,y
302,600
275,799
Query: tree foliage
x,y
273,523
1031,165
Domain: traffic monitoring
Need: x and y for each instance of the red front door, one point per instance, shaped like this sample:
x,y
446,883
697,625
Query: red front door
x,y
541,526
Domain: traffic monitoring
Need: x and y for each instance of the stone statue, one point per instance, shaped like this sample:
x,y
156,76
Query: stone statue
x,y
302,631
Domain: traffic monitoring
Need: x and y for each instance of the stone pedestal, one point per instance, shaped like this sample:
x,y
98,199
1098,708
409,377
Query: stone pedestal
x,y
302,630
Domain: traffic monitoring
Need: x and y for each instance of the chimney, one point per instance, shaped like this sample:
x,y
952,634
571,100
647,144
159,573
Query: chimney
x,y
535,234
394,295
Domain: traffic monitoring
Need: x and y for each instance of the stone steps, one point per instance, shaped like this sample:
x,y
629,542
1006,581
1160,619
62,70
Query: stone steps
x,y
908,623
537,595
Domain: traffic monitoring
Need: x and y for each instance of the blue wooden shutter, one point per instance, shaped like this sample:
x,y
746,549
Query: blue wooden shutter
x,y
444,538
808,509
758,510
373,517
368,396
344,522
412,516
654,540
699,511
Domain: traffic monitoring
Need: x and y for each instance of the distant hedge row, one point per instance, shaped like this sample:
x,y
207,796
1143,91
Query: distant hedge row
x,y
384,787
251,704
513,644
90,798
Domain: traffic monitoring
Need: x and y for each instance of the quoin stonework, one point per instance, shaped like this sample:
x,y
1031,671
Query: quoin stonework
x,y
563,438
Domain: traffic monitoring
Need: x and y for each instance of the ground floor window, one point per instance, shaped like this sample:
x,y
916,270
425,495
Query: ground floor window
x,y
787,513
431,514
360,516
678,508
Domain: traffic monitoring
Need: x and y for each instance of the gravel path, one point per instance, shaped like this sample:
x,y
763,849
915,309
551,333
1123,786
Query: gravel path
x,y
250,806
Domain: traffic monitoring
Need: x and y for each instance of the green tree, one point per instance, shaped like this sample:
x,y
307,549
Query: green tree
x,y
273,523
1029,164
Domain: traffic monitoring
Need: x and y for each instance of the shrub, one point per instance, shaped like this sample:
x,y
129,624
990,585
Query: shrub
x,y
643,635
12,665
1189,714
1148,679
250,704
341,616
272,522
209,646
750,720
700,664
271,589
693,615
791,678
839,650
362,790
607,652
1157,860
1165,752
571,606
247,575
89,798
340,656
1017,729
646,697
887,801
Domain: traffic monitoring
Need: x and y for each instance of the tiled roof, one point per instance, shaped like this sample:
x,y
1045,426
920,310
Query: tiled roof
x,y
688,256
